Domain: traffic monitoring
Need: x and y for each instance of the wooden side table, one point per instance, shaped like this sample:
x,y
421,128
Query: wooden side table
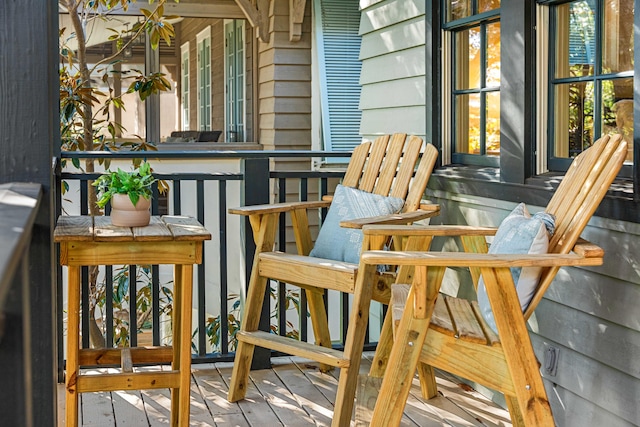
x,y
86,240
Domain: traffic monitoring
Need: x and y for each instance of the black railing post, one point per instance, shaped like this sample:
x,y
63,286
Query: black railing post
x,y
256,191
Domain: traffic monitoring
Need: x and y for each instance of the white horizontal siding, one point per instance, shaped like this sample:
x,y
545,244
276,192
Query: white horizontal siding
x,y
393,67
571,410
395,93
393,39
389,13
391,120
368,3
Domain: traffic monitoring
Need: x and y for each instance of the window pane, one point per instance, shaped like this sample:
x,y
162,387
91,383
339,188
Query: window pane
x,y
573,118
617,110
575,39
493,55
468,123
487,5
457,9
492,133
617,49
468,59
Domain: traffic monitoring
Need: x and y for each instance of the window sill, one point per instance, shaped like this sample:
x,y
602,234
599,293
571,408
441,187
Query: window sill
x,y
538,190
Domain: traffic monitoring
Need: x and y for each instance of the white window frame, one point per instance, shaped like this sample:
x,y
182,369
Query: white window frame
x,y
243,94
185,93
204,123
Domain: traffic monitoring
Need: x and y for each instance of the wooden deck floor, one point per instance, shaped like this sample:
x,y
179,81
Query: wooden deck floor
x,y
293,393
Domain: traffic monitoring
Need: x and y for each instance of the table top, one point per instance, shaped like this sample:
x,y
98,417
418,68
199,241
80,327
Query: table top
x,y
99,229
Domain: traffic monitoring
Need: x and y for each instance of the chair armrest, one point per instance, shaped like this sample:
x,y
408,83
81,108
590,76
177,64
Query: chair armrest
x,y
278,207
400,218
429,230
588,249
463,259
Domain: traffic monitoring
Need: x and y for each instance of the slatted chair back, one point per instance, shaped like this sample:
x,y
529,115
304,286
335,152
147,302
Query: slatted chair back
x,y
577,198
392,165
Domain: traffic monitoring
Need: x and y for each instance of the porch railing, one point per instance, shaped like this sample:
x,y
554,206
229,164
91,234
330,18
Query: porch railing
x,y
206,195
19,204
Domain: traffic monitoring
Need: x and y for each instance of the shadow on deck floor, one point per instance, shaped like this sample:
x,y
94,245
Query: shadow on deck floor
x,y
293,393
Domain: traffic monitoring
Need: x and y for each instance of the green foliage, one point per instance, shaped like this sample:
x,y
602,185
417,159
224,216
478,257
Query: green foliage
x,y
86,121
213,326
143,302
136,184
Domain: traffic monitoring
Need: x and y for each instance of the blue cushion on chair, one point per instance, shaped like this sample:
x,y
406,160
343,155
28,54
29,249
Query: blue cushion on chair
x,y
344,244
519,233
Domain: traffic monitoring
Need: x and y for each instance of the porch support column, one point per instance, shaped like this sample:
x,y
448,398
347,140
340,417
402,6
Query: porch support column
x,y
517,86
29,139
152,104
284,79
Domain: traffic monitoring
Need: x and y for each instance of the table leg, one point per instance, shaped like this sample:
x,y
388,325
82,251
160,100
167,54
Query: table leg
x,y
73,345
186,273
176,340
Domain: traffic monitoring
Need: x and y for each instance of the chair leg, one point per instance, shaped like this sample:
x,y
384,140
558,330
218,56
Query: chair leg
x,y
514,411
348,382
521,361
400,370
428,385
409,339
244,351
383,349
264,229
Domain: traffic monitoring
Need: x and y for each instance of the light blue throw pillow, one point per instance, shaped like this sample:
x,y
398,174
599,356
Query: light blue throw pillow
x,y
344,244
519,233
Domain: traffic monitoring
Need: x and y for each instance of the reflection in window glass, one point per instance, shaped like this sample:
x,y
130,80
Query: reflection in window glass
x,y
458,9
492,125
575,110
476,66
468,58
617,34
493,55
592,91
468,124
488,5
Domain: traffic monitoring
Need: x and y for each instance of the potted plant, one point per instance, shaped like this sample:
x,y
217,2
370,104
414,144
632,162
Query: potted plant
x,y
130,195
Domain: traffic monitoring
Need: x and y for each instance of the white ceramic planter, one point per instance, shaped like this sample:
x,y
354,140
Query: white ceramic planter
x,y
124,214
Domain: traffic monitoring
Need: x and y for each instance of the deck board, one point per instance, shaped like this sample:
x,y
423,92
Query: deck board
x,y
293,393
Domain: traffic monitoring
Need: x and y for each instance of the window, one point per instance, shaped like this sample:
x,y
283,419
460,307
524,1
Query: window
x,y
337,46
204,79
184,88
474,80
591,76
235,79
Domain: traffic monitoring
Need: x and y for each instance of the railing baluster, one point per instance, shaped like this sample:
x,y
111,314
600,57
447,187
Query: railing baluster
x,y
155,304
177,202
282,246
133,313
108,307
202,310
303,190
224,286
84,302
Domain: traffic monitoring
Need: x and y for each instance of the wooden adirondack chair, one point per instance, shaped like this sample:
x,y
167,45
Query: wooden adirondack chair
x,y
396,166
435,331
